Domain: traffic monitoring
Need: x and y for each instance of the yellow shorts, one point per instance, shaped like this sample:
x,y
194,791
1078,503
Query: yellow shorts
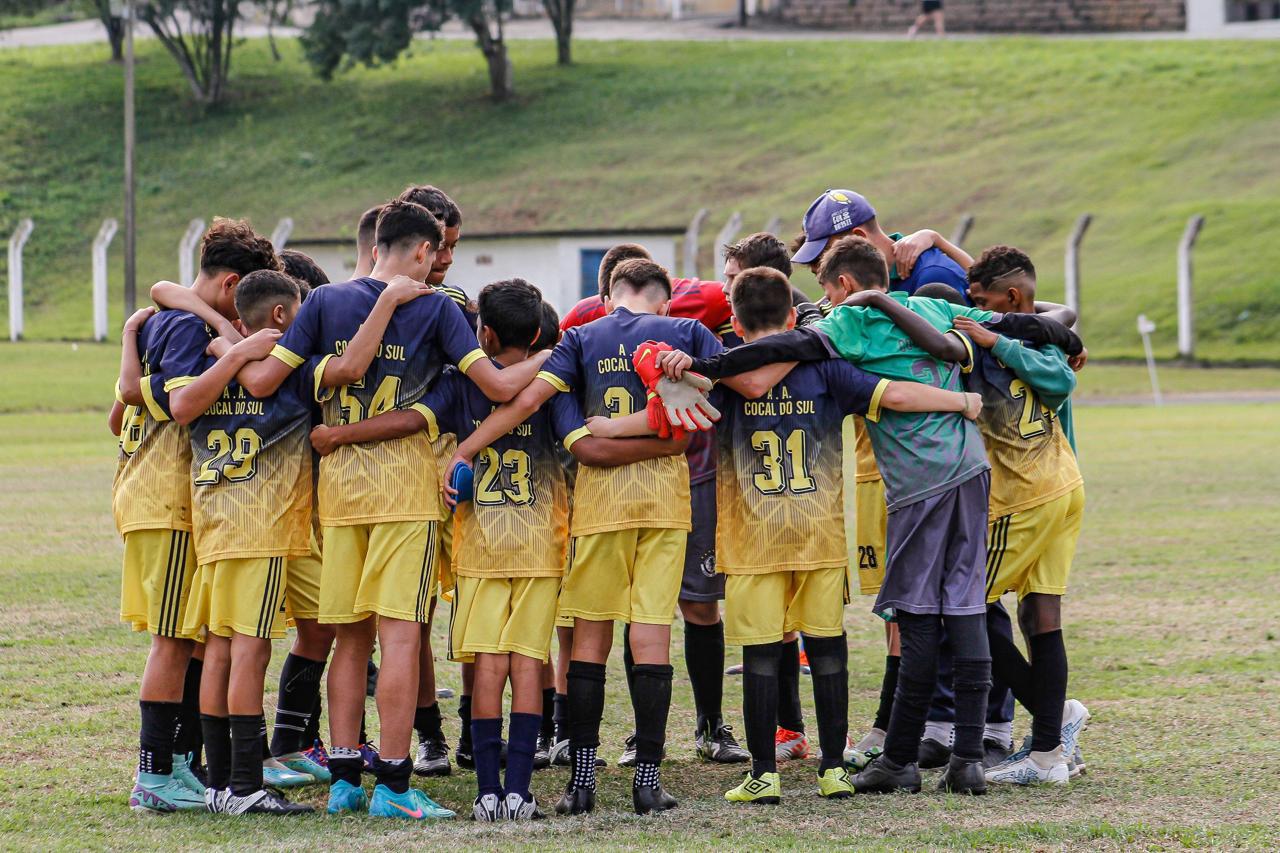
x,y
1031,551
503,615
156,581
444,557
868,551
564,620
761,608
387,568
302,592
245,596
632,575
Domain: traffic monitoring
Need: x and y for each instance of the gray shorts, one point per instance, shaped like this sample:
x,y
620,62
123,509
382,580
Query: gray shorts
x,y
701,581
937,550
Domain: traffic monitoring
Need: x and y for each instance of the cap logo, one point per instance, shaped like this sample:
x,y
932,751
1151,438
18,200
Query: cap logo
x,y
841,220
841,197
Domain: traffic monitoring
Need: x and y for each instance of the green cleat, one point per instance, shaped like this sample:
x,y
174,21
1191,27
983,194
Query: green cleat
x,y
834,784
299,763
766,789
156,794
411,805
183,776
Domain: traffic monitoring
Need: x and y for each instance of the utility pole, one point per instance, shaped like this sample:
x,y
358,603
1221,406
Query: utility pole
x,y
130,219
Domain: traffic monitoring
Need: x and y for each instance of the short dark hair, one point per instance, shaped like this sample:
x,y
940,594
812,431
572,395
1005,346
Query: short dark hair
x,y
548,329
260,291
640,275
613,257
304,268
938,290
857,258
231,245
761,298
435,200
367,230
760,250
997,262
513,309
404,222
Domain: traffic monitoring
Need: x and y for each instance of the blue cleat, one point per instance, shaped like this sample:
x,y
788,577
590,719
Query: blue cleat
x,y
411,805
162,794
183,775
345,797
298,762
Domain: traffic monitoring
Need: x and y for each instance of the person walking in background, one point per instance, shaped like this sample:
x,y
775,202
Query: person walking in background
x,y
930,10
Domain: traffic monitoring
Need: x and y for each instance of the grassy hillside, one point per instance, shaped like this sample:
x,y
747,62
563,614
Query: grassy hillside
x,y
1025,134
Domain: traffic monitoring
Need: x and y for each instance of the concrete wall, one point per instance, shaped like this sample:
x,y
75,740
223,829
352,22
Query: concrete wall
x,y
1041,16
552,263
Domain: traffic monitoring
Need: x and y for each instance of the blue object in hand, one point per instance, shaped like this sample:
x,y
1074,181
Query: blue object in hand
x,y
461,479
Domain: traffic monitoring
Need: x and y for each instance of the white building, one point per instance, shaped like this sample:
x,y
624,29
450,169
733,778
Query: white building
x,y
562,264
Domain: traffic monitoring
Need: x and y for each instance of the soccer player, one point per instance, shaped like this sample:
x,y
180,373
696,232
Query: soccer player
x,y
630,527
151,502
780,539
366,241
377,502
303,267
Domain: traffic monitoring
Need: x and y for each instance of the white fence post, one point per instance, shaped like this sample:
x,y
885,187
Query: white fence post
x,y
726,235
772,226
16,244
689,264
1072,264
100,245
280,236
962,229
187,252
1186,316
1145,328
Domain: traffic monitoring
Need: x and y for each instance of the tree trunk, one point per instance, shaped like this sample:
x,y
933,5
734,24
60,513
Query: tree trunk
x,y
563,45
115,29
561,14
494,49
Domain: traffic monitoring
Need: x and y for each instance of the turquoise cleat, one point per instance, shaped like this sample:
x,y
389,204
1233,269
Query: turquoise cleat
x,y
276,775
183,776
299,763
411,805
157,794
345,797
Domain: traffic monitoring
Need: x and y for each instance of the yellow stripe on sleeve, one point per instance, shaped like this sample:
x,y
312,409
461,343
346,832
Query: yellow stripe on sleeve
x,y
967,366
580,432
290,358
178,382
148,397
119,396
322,394
554,381
873,410
433,428
470,358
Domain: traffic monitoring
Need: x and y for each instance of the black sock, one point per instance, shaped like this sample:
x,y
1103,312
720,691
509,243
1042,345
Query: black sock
x,y
917,672
651,701
760,704
1008,664
312,732
586,707
887,688
346,766
1049,679
704,657
217,750
266,745
829,668
522,745
393,774
546,723
246,753
486,744
364,734
790,716
628,660
188,737
427,723
155,741
560,717
299,693
971,682
464,716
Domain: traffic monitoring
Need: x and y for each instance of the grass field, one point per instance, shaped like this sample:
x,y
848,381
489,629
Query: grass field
x,y
1171,623
1026,134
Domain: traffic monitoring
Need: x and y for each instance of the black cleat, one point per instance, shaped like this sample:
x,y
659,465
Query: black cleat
x,y
883,776
462,754
715,742
933,754
655,799
577,800
259,802
963,776
542,754
993,753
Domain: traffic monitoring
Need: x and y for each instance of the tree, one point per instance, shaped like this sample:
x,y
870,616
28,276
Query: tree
x,y
561,14
199,35
376,32
114,25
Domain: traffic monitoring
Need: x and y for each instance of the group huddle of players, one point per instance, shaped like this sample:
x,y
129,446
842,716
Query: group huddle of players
x,y
337,458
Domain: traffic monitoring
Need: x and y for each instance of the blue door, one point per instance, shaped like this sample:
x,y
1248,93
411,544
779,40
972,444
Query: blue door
x,y
590,263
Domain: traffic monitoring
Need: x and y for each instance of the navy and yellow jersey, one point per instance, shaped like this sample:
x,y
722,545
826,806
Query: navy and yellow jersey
x,y
153,481
393,480
1022,389
459,296
867,469
593,362
251,472
779,486
517,523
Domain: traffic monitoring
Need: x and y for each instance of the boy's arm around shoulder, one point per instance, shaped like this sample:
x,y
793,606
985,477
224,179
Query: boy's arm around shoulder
x,y
1045,371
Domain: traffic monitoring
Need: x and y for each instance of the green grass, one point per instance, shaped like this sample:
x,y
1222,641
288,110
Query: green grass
x,y
1171,624
53,13
1024,133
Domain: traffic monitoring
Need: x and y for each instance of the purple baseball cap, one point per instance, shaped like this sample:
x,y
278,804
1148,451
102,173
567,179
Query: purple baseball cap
x,y
833,212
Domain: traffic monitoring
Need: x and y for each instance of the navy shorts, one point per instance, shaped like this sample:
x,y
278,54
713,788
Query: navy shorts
x,y
928,6
701,581
937,553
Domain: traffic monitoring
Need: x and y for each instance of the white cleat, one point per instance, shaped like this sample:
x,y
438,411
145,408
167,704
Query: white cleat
x,y
1030,768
